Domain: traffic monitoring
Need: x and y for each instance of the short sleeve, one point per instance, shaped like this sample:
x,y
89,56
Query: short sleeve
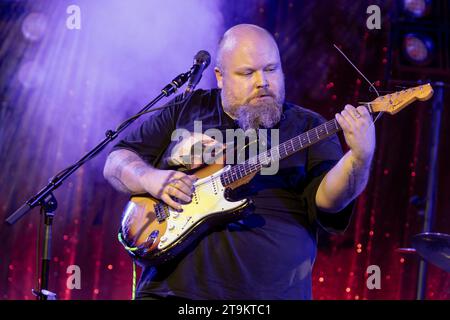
x,y
321,158
152,137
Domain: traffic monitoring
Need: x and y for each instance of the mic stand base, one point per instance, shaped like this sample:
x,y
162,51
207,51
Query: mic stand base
x,y
48,208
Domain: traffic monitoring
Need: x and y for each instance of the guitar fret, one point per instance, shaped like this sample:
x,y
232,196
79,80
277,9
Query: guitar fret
x,y
277,153
266,159
254,164
332,129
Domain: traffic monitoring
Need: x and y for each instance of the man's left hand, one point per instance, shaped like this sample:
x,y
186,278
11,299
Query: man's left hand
x,y
359,131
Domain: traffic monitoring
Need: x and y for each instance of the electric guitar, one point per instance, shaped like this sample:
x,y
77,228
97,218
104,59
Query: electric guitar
x,y
152,232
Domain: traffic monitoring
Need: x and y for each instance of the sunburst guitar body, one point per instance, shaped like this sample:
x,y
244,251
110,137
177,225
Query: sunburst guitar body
x,y
154,233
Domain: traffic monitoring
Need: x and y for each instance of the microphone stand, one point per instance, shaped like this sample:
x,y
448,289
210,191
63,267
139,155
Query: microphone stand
x,y
47,201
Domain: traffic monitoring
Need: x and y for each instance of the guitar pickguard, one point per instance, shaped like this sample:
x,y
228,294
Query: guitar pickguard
x,y
208,200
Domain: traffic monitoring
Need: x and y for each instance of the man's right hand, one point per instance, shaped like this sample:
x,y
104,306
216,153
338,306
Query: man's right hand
x,y
167,184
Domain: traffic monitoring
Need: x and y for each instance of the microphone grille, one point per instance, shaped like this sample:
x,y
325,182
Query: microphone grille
x,y
203,57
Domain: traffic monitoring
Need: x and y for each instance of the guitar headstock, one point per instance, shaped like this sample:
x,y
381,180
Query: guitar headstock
x,y
394,102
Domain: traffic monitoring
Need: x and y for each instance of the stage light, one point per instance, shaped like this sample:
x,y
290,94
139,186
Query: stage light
x,y
34,26
31,75
417,8
418,49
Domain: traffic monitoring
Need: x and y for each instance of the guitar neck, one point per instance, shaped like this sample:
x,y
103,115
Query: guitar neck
x,y
279,152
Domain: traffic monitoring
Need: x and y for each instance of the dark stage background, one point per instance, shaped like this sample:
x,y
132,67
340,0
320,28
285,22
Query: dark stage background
x,y
61,89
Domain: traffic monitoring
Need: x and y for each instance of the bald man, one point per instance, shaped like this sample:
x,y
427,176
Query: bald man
x,y
270,253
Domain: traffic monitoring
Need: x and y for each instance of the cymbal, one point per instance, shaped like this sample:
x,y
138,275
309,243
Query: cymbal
x,y
405,250
434,248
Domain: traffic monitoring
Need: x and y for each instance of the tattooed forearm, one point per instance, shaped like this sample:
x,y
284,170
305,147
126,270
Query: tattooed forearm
x,y
118,185
357,178
119,163
352,180
343,183
132,161
140,169
123,169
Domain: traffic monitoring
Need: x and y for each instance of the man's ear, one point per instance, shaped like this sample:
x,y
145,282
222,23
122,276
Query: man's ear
x,y
219,77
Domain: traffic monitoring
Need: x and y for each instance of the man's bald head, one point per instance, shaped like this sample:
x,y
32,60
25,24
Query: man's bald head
x,y
250,75
242,35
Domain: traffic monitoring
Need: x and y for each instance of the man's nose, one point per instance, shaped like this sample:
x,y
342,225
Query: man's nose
x,y
261,80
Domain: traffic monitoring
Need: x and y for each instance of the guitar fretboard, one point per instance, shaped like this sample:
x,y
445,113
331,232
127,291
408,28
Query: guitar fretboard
x,y
279,152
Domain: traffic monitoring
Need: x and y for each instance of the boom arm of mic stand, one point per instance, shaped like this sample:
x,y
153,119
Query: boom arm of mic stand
x,y
38,199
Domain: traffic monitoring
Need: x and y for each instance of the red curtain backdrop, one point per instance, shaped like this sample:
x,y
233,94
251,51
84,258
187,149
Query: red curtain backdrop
x,y
317,77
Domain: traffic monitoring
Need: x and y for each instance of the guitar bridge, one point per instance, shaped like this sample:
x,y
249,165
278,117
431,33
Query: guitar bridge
x,y
161,212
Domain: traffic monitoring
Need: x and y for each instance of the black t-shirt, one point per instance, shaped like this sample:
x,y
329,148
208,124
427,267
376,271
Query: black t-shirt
x,y
270,253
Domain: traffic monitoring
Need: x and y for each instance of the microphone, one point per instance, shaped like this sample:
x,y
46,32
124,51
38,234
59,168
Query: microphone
x,y
201,61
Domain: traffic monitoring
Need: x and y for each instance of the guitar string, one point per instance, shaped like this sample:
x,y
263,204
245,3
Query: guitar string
x,y
364,77
296,142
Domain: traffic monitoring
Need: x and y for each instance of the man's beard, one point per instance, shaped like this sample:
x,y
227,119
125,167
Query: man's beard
x,y
263,114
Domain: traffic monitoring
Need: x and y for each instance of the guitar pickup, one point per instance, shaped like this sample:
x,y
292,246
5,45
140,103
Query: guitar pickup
x,y
161,212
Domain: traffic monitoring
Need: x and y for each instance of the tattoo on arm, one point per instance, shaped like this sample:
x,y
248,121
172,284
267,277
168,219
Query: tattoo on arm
x,y
140,169
121,163
351,189
357,181
138,166
116,164
118,185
